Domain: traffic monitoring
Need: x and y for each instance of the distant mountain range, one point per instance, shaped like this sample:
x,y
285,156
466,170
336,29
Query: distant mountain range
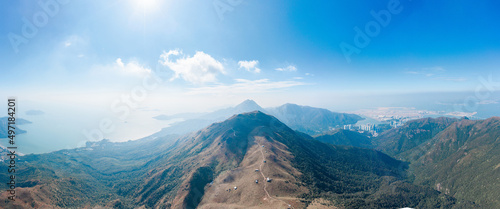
x,y
311,120
306,119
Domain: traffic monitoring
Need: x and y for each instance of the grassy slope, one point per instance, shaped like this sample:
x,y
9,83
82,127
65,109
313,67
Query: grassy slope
x,y
457,157
464,161
345,137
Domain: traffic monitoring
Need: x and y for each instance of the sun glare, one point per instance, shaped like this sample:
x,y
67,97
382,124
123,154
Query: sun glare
x,y
145,5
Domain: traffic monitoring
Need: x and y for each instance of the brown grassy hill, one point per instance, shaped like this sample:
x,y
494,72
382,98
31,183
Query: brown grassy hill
x,y
281,192
396,142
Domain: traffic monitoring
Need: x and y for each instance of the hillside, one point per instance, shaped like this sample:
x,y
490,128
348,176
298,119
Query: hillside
x,y
457,157
345,137
311,120
464,161
396,142
215,168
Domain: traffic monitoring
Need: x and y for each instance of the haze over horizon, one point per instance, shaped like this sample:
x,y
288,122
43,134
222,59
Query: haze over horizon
x,y
80,62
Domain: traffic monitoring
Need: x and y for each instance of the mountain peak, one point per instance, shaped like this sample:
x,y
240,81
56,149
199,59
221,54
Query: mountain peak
x,y
248,105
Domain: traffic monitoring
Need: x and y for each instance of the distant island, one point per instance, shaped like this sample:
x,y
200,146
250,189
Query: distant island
x,y
3,126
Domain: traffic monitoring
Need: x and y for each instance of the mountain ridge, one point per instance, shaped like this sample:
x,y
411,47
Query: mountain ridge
x,y
346,137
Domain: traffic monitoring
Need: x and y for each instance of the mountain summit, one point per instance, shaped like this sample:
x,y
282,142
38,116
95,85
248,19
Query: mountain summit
x,y
248,106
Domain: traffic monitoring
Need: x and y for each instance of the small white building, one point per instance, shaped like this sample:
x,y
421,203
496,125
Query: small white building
x,y
268,179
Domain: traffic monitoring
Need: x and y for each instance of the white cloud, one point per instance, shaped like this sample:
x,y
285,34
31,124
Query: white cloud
x,y
198,69
246,86
289,68
250,66
120,69
428,71
435,73
74,40
435,68
131,68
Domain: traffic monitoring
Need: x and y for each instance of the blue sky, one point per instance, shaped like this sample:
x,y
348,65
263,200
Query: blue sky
x,y
217,53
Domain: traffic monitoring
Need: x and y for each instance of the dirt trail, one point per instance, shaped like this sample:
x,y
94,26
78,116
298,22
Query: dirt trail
x,y
264,177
